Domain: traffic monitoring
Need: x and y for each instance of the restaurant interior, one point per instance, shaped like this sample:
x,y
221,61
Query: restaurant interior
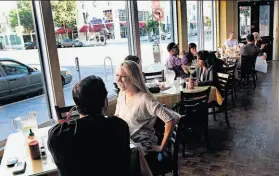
x,y
228,127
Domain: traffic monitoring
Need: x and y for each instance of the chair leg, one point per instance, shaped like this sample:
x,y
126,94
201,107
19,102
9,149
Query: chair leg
x,y
214,113
205,132
183,149
233,100
226,117
234,87
254,80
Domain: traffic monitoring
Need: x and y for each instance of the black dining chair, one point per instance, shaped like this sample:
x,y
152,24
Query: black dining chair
x,y
169,161
223,84
248,69
232,82
61,112
194,108
154,75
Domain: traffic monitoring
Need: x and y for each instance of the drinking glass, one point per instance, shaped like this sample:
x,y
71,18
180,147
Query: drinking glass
x,y
29,121
17,124
156,81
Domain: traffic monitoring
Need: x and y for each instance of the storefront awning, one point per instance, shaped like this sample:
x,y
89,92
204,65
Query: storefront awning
x,y
63,30
141,24
95,27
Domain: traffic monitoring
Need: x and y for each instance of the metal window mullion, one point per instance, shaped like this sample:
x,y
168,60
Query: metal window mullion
x,y
213,29
198,25
201,21
133,22
173,20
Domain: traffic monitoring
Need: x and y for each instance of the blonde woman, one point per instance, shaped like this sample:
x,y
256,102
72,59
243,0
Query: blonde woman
x,y
257,38
136,105
259,43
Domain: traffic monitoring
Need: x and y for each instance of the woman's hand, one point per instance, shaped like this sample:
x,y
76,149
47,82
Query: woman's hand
x,y
185,69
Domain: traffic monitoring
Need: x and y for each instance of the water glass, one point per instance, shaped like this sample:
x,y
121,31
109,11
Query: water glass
x,y
156,81
29,121
17,124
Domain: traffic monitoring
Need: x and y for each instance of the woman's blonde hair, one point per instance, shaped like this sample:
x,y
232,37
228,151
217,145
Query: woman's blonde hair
x,y
256,36
135,75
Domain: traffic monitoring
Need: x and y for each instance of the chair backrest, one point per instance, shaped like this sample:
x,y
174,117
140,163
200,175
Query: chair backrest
x,y
223,82
172,147
248,63
230,69
153,75
231,60
191,99
62,111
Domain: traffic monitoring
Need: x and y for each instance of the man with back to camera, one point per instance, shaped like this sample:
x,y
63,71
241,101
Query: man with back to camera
x,y
250,49
92,144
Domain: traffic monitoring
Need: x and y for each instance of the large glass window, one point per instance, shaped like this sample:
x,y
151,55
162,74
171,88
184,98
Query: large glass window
x,y
264,20
245,21
98,39
192,21
155,26
21,85
208,25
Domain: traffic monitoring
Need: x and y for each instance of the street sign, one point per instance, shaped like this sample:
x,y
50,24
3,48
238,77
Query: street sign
x,y
158,14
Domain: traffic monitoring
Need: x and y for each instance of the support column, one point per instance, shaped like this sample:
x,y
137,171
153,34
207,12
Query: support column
x,y
134,36
182,25
49,60
226,18
276,31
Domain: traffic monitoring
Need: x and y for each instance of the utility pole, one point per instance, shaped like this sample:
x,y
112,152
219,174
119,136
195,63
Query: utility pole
x,y
20,28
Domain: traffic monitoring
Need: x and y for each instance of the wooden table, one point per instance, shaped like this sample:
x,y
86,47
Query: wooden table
x,y
171,96
16,147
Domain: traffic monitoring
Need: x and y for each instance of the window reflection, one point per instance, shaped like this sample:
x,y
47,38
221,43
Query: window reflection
x,y
101,32
21,85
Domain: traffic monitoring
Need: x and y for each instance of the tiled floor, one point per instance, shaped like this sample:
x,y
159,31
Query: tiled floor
x,y
251,147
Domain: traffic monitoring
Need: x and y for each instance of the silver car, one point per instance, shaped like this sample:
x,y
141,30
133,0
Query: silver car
x,y
18,79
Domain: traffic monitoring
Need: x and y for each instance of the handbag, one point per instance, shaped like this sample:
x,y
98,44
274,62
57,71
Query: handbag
x,y
261,65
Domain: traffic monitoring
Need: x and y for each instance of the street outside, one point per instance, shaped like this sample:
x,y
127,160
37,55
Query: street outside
x,y
91,61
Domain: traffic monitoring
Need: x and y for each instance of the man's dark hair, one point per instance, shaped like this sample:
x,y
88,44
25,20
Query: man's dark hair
x,y
250,38
133,58
171,46
89,95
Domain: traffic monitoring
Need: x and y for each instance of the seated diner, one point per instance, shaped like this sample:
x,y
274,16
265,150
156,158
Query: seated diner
x,y
137,106
84,146
204,73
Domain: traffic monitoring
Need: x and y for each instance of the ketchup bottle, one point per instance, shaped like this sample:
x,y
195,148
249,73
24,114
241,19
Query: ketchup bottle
x,y
33,145
191,83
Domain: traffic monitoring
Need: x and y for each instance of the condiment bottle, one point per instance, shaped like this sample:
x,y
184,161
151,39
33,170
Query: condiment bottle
x,y
191,83
33,145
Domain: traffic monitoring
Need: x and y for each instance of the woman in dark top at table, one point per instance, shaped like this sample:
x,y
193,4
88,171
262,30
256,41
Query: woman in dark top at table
x,y
191,54
204,73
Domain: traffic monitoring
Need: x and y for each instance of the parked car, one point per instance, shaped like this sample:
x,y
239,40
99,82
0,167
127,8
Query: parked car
x,y
58,44
168,35
30,45
192,32
71,43
93,42
17,79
